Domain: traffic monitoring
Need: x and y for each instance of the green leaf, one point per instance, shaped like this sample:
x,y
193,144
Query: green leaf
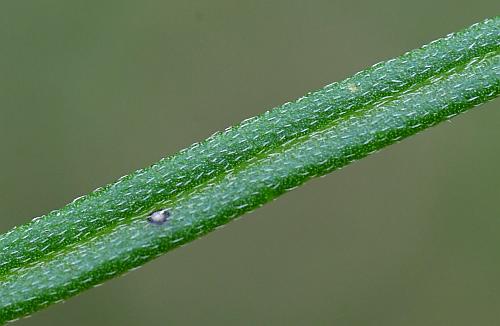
x,y
111,230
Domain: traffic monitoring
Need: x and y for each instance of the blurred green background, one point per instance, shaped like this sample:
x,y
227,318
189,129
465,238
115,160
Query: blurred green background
x,y
92,90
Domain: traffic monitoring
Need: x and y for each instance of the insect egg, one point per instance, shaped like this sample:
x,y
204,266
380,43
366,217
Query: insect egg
x,y
159,217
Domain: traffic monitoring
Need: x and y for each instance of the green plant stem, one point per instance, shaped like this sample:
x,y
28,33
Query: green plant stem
x,y
106,233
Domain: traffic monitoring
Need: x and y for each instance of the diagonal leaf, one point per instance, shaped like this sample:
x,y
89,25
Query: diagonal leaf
x,y
114,229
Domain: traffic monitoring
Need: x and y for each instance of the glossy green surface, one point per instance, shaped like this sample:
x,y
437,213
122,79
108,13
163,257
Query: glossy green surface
x,y
106,233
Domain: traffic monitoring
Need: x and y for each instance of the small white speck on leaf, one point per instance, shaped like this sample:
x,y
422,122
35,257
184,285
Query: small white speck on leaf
x,y
159,217
352,87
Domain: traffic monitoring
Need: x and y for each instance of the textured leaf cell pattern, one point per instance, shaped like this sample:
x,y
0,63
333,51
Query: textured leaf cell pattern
x,y
110,231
